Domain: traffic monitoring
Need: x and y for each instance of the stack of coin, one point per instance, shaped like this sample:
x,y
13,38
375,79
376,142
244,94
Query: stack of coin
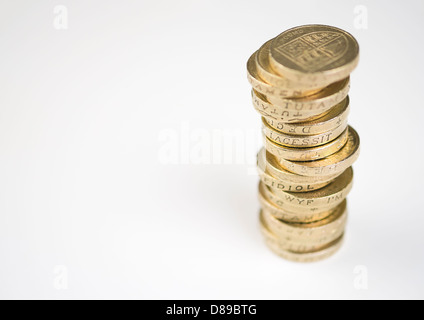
x,y
300,83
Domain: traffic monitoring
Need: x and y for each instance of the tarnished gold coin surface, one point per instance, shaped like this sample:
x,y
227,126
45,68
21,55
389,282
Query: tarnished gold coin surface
x,y
306,154
330,120
333,164
314,54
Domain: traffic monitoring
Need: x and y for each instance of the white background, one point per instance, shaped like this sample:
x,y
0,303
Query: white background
x,y
83,184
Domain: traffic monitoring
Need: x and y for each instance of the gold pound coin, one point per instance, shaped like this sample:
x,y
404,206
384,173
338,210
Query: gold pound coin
x,y
320,232
288,184
276,170
290,140
270,111
266,73
302,257
293,214
261,86
306,154
321,101
304,213
314,54
330,120
330,195
290,244
333,164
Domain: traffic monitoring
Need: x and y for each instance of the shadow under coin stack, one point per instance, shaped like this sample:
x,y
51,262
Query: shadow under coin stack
x,y
300,84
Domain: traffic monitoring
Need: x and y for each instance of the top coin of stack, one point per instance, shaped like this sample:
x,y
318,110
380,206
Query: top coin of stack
x,y
300,83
